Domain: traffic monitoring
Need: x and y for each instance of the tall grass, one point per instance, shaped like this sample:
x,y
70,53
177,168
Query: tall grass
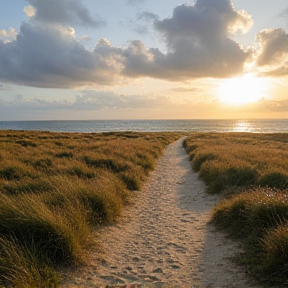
x,y
228,160
55,186
251,172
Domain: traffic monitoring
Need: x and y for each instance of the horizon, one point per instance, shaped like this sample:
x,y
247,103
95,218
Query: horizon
x,y
143,60
179,119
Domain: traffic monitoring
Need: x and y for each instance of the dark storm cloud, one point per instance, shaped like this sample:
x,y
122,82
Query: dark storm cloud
x,y
64,12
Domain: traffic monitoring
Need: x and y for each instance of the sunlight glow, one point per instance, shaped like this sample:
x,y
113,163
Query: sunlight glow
x,y
243,90
242,126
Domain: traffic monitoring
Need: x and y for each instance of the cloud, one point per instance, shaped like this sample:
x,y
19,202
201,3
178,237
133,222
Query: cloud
x,y
273,55
197,39
90,100
198,42
52,57
205,22
269,106
135,2
284,14
30,11
8,35
278,72
91,104
106,100
274,46
188,90
143,22
148,16
67,12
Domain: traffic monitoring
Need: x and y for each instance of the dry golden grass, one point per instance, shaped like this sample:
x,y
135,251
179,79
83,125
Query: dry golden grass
x,y
55,186
251,171
225,160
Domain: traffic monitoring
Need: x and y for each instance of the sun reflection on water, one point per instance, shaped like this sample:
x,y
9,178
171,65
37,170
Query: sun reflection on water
x,y
242,126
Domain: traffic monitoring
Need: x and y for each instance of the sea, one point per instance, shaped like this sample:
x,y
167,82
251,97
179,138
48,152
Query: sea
x,y
94,126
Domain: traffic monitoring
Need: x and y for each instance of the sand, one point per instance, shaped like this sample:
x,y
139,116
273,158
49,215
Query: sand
x,y
165,237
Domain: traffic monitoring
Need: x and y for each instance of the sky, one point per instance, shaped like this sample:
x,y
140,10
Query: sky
x,y
143,59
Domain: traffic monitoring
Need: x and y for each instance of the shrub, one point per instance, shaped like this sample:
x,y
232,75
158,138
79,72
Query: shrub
x,y
81,172
35,186
25,143
64,155
114,165
11,173
200,158
258,210
22,267
232,215
211,174
259,218
237,159
145,161
132,181
274,179
43,163
275,256
32,223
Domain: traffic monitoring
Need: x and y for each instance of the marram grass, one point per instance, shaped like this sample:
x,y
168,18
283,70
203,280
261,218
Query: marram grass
x,y
251,172
55,186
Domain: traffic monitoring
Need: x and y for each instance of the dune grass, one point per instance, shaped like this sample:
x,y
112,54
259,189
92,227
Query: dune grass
x,y
251,172
54,187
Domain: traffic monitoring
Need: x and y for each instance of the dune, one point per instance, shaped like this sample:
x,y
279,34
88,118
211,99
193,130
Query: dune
x,y
164,238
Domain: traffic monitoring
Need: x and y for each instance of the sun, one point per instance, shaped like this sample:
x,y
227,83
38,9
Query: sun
x,y
242,90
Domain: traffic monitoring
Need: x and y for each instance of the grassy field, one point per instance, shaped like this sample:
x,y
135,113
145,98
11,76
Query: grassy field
x,y
55,186
251,172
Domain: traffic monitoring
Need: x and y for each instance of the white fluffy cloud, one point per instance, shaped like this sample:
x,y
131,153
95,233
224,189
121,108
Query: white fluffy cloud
x,y
30,11
8,35
68,12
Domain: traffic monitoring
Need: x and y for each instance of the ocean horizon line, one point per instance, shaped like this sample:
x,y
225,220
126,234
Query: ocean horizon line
x,y
178,119
175,125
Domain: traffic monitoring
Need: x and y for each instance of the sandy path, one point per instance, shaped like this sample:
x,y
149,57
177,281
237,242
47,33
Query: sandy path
x,y
164,236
